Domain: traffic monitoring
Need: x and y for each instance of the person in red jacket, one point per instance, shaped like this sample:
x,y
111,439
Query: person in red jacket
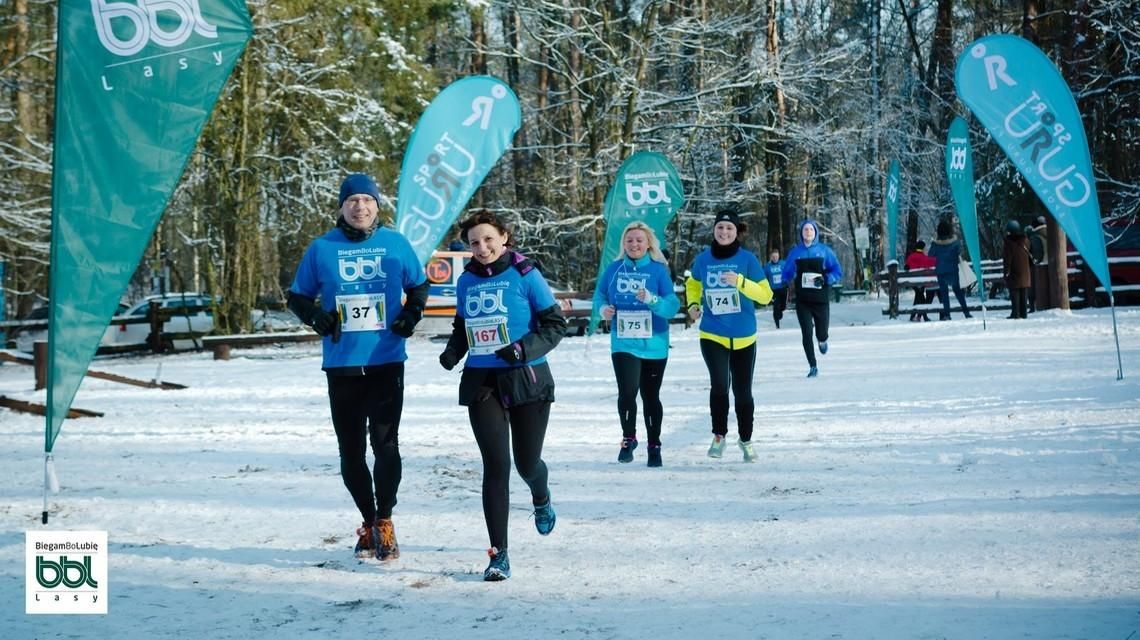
x,y
917,261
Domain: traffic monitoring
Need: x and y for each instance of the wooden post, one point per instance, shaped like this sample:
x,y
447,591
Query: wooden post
x,y
222,351
1090,283
1058,271
39,360
1044,299
155,337
893,288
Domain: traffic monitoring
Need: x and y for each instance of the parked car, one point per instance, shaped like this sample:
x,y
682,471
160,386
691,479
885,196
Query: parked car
x,y
25,338
190,313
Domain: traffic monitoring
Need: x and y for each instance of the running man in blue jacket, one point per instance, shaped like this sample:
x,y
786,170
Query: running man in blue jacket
x,y
349,288
774,270
812,269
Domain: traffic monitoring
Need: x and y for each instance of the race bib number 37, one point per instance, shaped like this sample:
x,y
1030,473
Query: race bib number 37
x,y
363,312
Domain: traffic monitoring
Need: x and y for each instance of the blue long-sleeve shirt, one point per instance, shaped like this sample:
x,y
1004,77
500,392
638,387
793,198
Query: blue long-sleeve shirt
x,y
774,270
365,282
947,252
638,328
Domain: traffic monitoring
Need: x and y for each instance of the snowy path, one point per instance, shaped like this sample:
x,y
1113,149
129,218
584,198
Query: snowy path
x,y
936,481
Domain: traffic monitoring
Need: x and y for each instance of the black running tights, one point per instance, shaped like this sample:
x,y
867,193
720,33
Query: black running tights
x,y
369,406
730,366
809,314
638,374
497,431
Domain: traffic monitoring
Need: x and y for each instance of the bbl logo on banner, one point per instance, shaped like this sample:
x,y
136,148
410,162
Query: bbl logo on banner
x,y
145,25
958,154
142,22
647,193
65,572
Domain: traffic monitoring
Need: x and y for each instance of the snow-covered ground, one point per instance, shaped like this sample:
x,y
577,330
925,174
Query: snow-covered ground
x,y
936,481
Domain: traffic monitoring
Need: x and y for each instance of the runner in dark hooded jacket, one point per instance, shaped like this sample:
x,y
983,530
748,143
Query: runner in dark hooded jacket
x,y
811,269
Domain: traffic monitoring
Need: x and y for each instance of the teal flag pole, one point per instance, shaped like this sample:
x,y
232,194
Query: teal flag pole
x,y
891,197
1017,93
960,175
646,188
134,86
458,139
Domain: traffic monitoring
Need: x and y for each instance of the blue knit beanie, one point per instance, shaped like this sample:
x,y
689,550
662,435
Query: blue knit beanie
x,y
355,184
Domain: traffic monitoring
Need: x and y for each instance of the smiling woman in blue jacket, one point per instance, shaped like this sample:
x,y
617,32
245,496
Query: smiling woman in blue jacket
x,y
726,279
635,293
812,269
506,321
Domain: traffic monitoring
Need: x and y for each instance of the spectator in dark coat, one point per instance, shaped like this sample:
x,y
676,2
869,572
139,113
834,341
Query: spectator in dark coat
x,y
1015,261
947,249
1038,253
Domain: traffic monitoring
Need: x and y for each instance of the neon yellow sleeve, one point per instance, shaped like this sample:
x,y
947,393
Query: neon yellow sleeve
x,y
693,292
758,291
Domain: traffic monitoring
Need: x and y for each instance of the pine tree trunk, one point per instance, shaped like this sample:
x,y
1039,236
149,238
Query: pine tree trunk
x,y
781,226
1058,271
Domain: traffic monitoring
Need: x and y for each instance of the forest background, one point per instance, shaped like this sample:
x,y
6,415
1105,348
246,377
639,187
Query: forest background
x,y
788,108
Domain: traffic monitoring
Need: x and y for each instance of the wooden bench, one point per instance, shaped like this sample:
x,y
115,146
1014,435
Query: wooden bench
x,y
973,306
156,317
892,280
221,345
1086,291
839,294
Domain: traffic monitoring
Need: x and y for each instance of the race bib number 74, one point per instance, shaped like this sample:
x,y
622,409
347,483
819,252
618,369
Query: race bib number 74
x,y
722,301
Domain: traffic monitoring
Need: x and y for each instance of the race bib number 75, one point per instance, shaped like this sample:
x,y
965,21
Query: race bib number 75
x,y
634,324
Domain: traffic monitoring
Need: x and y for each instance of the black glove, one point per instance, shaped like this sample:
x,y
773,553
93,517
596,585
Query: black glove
x,y
512,353
817,282
405,324
326,323
448,359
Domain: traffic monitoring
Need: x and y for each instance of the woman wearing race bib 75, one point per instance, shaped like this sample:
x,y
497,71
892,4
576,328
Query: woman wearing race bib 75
x,y
725,281
635,293
812,269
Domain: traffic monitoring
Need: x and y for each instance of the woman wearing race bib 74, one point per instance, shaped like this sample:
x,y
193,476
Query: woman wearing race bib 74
x,y
725,281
